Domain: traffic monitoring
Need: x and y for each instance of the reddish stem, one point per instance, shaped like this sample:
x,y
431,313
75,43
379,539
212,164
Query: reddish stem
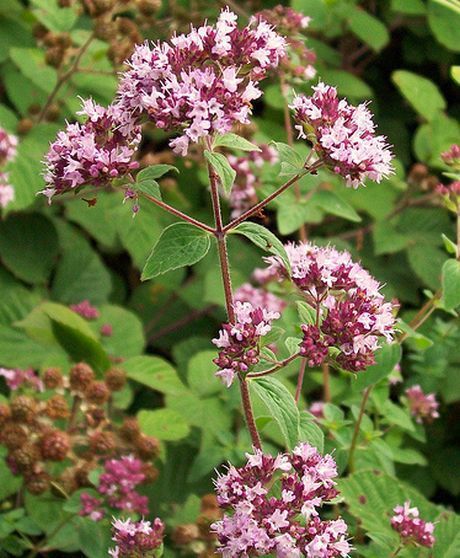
x,y
298,390
275,368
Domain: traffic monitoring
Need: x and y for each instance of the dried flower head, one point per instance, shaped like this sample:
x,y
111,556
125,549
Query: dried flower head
x,y
343,136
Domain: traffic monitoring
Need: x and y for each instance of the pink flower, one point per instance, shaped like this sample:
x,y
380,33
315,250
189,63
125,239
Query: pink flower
x,y
8,146
7,194
452,156
352,315
106,330
96,152
133,539
239,342
201,82
423,407
411,528
272,506
317,409
16,378
343,136
259,298
86,310
91,507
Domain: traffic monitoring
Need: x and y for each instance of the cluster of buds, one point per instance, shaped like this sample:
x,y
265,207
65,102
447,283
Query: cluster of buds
x,y
411,528
239,342
86,310
135,539
96,152
451,192
201,82
298,63
423,406
197,539
117,488
58,46
244,190
343,136
351,313
69,422
271,506
17,377
8,144
451,157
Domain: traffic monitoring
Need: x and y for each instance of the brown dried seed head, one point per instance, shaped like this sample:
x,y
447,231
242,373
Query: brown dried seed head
x,y
54,445
5,413
115,378
129,430
185,534
13,436
57,407
26,456
81,375
147,447
102,443
97,393
37,482
23,409
52,378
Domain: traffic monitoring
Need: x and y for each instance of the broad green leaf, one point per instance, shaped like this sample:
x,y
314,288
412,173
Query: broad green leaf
x,y
387,240
410,7
386,359
281,406
94,537
31,63
334,204
455,73
263,238
155,373
233,141
223,169
53,16
201,374
444,20
310,432
451,284
419,255
179,245
424,95
291,215
146,179
396,415
347,84
369,29
447,533
29,246
291,162
164,424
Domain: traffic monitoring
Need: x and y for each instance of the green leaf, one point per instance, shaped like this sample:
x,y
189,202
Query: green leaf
x,y
386,359
164,424
127,338
155,373
369,29
310,432
264,239
29,246
146,179
334,204
347,84
54,17
201,374
455,73
447,533
424,96
410,7
451,284
179,245
444,20
387,240
291,162
281,406
31,63
225,172
94,537
233,141
291,215
396,415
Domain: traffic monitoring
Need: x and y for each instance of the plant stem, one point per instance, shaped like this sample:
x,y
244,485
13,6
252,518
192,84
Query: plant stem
x,y
275,368
73,413
326,382
351,456
397,551
64,77
178,213
256,208
298,391
219,233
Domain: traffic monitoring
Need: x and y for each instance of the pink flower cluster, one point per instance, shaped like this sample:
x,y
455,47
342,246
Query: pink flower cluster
x,y
240,342
86,310
244,194
16,378
343,136
452,156
117,485
300,59
133,539
95,152
259,298
411,528
423,407
8,145
272,506
351,313
201,82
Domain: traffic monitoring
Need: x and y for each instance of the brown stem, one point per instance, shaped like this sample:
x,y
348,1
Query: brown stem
x,y
351,456
256,208
249,414
178,213
298,391
326,382
275,368
422,315
64,77
397,551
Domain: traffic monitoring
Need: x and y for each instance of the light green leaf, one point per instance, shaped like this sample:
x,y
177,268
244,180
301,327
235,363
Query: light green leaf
x,y
31,63
179,245
386,359
127,337
146,179
444,20
291,215
281,406
369,29
334,204
410,7
201,374
451,284
424,95
233,141
225,172
310,432
347,84
447,533
264,239
53,16
155,373
455,73
164,424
